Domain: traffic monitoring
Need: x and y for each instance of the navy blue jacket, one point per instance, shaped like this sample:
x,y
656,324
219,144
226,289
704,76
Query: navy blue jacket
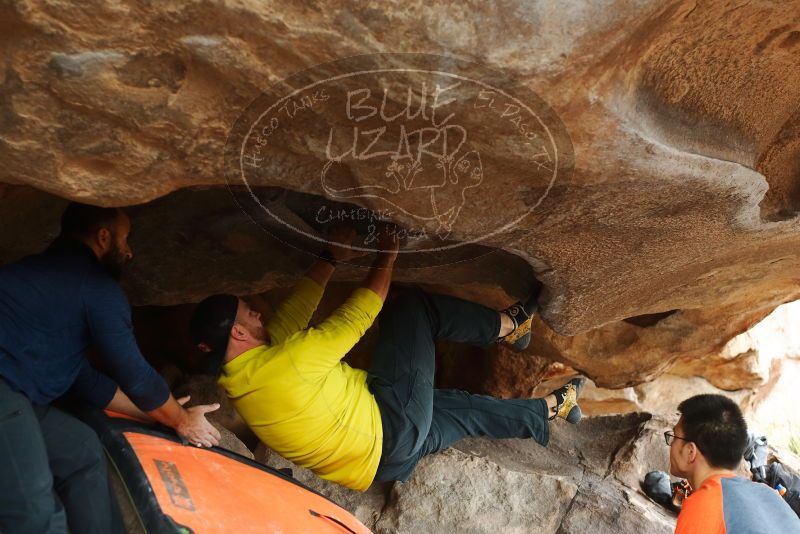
x,y
53,307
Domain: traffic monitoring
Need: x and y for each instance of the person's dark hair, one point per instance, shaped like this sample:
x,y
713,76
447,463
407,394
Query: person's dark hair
x,y
83,220
716,425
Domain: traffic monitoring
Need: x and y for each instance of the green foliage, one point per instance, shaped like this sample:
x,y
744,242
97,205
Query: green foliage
x,y
794,443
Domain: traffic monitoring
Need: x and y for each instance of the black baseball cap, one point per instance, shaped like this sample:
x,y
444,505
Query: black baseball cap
x,y
210,328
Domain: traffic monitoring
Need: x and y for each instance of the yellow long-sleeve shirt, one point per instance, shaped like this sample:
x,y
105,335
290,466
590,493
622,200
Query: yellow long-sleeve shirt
x,y
300,399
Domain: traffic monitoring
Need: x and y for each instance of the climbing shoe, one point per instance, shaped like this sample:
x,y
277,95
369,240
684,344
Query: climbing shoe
x,y
567,400
521,314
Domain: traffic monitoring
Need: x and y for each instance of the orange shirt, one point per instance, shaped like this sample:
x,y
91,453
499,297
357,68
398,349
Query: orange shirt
x,y
727,504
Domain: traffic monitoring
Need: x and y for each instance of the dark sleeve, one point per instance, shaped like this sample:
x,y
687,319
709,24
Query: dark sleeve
x,y
93,386
108,315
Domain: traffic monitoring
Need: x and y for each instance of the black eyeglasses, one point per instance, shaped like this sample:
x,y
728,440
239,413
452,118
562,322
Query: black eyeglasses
x,y
669,437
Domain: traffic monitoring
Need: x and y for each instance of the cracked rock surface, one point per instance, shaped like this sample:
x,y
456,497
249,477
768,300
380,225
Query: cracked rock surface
x,y
588,475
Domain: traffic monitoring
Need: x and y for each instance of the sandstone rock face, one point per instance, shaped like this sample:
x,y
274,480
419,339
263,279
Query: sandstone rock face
x,y
748,360
519,501
759,369
682,118
671,227
588,475
660,396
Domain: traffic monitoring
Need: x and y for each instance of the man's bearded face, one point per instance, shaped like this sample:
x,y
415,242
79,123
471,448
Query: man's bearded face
x,y
114,260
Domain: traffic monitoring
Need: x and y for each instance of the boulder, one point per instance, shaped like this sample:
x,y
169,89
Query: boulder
x,y
588,475
674,205
456,492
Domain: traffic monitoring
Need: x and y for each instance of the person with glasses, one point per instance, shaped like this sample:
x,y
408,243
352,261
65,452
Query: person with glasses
x,y
705,447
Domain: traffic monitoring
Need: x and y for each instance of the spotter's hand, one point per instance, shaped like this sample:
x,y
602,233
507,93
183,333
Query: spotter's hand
x,y
195,428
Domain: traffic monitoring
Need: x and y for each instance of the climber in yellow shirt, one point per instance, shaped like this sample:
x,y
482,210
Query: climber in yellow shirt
x,y
351,426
